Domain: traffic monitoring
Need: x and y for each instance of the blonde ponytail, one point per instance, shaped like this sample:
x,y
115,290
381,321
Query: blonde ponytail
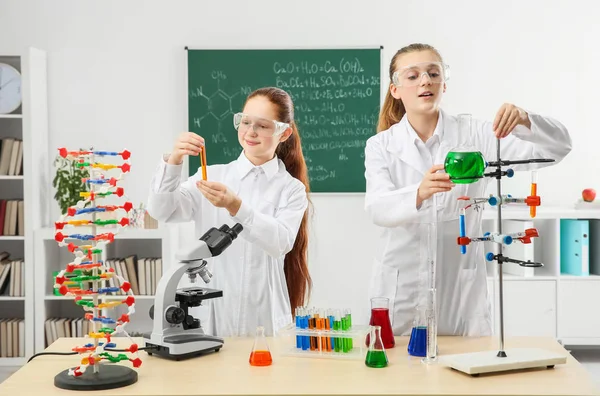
x,y
392,112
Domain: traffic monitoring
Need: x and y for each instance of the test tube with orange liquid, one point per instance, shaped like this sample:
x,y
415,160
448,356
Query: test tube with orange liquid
x,y
533,192
203,162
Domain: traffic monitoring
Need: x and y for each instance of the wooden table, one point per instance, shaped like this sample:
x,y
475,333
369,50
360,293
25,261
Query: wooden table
x,y
228,373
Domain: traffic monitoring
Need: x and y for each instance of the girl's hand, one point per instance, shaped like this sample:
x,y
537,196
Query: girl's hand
x,y
220,196
188,143
507,118
432,183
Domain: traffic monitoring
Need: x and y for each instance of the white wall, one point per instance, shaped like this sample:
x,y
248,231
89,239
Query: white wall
x,y
117,80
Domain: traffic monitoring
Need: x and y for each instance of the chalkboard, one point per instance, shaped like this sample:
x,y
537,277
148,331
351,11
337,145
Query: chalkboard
x,y
336,94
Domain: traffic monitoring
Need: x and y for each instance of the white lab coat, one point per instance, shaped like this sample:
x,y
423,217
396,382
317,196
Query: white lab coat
x,y
394,171
250,271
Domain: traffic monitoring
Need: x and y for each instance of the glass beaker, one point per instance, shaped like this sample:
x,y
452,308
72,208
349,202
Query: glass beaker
x,y
380,316
464,163
376,356
417,344
260,355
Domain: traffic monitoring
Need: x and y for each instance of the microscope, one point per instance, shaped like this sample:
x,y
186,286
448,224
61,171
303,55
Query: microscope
x,y
175,333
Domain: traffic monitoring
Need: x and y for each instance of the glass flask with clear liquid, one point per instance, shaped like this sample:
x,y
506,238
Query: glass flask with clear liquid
x,y
464,163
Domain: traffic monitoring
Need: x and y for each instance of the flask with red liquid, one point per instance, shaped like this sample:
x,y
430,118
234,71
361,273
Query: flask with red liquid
x,y
380,316
260,355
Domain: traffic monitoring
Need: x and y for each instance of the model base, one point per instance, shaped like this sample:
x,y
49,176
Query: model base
x,y
108,377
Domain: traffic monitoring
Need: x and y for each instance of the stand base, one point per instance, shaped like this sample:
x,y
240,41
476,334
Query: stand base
x,y
489,362
109,377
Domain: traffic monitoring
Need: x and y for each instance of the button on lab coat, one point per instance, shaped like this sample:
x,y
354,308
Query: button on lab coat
x,y
394,170
250,271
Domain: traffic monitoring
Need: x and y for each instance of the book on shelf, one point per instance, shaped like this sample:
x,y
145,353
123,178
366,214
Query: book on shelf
x,y
56,328
12,338
142,274
12,276
12,217
11,157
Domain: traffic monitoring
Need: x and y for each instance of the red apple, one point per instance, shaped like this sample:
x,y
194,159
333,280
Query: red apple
x,y
589,194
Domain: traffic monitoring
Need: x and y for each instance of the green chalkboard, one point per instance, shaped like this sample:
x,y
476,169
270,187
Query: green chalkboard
x,y
336,94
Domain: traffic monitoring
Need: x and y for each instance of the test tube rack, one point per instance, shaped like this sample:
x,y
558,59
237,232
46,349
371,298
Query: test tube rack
x,y
326,344
496,361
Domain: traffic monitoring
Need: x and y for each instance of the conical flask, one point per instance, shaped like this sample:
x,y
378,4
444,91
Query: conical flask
x,y
464,163
260,355
380,316
417,344
376,356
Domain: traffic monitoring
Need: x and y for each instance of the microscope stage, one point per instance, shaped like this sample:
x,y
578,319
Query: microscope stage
x,y
196,294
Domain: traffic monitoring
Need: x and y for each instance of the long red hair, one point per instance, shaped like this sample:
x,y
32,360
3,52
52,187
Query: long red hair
x,y
297,276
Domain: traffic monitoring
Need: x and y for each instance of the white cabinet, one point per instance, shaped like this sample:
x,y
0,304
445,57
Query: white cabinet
x,y
578,313
529,307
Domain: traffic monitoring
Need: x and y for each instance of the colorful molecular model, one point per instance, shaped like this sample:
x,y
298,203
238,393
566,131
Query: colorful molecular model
x,y
86,278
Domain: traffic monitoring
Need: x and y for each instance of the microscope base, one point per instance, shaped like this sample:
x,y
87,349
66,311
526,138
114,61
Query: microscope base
x,y
184,346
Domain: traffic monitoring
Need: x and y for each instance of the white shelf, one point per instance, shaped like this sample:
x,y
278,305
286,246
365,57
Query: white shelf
x,y
12,238
506,277
514,213
51,297
8,298
140,233
33,186
580,278
49,256
15,362
570,341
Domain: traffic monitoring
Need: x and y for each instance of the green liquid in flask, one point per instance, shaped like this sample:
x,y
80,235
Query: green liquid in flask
x,y
376,359
464,167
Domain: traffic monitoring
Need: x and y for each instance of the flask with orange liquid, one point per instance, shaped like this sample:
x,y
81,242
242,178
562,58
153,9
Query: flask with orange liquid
x,y
260,355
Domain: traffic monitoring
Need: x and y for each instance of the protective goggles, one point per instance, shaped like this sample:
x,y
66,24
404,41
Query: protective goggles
x,y
262,126
412,75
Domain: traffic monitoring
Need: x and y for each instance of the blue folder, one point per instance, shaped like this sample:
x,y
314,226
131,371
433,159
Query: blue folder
x,y
575,247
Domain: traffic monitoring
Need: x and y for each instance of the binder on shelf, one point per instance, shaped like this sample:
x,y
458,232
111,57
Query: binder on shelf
x,y
594,246
574,247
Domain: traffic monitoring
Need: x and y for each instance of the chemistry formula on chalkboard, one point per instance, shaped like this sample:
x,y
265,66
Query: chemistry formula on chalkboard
x,y
336,95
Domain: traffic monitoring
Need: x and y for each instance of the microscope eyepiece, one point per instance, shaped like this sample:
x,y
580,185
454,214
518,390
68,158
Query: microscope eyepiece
x,y
235,230
219,239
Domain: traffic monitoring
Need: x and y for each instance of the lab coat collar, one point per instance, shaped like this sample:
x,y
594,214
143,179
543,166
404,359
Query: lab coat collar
x,y
404,138
244,166
438,132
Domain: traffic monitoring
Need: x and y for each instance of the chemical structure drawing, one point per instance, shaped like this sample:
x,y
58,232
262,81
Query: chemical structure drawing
x,y
213,113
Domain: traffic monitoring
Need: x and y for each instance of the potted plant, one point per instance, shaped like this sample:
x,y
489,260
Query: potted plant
x,y
68,183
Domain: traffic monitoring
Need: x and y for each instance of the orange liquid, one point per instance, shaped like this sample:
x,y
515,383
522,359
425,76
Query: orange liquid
x,y
260,358
203,161
533,193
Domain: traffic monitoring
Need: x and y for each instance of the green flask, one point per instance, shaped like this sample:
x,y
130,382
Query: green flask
x,y
376,356
464,163
464,167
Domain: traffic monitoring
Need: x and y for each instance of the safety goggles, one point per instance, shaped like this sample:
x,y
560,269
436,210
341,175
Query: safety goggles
x,y
412,75
262,126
